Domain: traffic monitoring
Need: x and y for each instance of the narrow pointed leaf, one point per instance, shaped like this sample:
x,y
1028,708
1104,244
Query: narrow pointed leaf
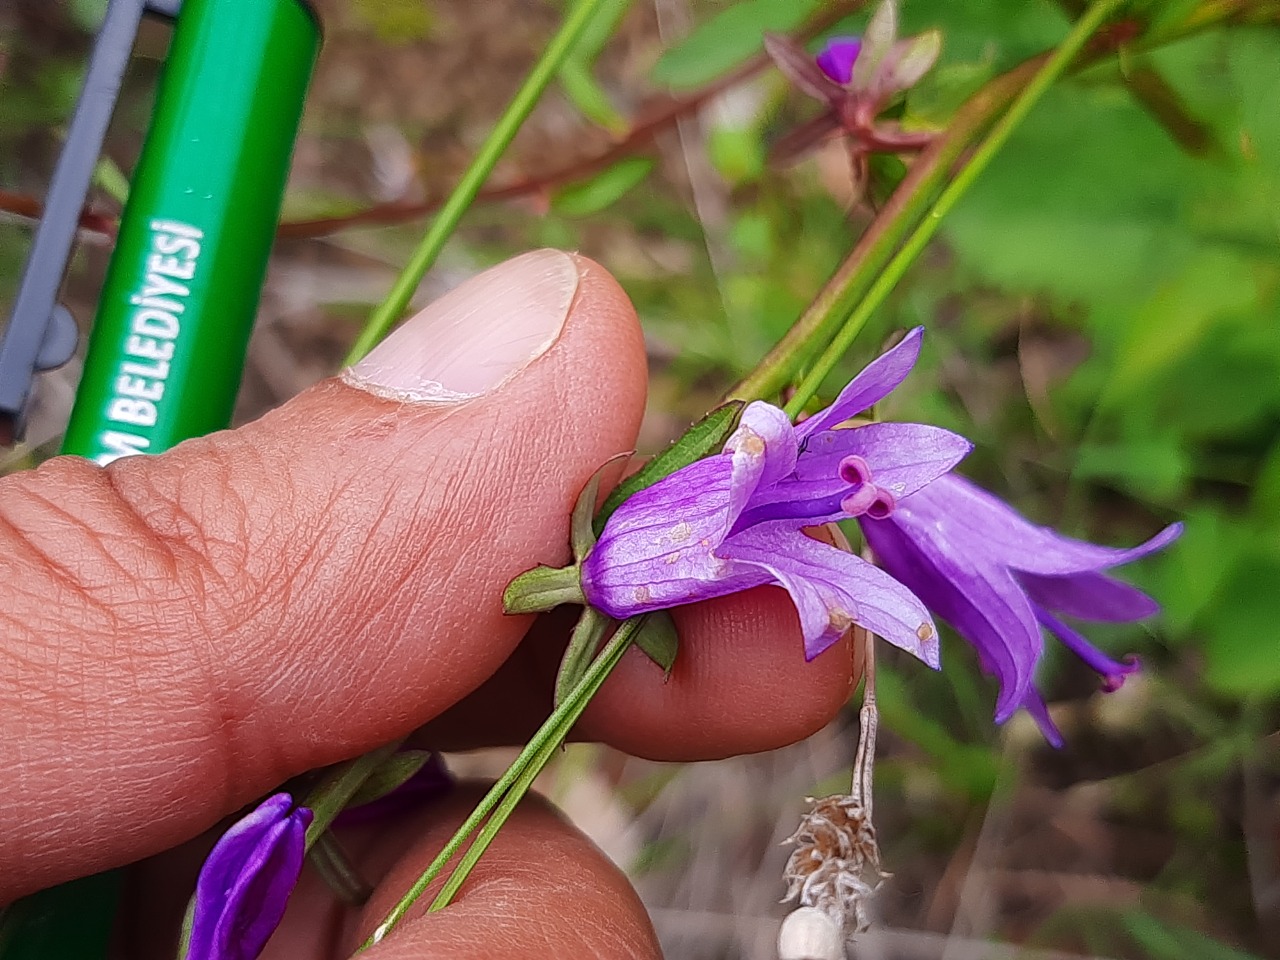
x,y
659,640
798,66
583,644
542,588
881,34
907,62
581,533
389,775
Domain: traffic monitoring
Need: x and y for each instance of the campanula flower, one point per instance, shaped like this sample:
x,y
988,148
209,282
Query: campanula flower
x,y
857,79
999,579
837,57
734,520
246,881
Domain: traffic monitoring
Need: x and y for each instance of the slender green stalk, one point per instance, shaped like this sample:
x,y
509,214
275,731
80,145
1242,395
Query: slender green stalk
x,y
578,701
387,313
915,244
513,784
908,204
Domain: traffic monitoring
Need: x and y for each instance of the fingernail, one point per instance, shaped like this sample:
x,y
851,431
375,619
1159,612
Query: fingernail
x,y
477,336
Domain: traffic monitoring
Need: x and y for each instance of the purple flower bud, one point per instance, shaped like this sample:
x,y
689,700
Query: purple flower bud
x,y
997,578
837,57
735,520
246,881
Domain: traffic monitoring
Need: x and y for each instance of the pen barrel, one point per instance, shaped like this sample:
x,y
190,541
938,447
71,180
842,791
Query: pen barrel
x,y
167,348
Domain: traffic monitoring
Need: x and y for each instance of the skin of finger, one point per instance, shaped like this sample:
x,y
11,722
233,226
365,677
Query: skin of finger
x,y
740,685
183,632
542,890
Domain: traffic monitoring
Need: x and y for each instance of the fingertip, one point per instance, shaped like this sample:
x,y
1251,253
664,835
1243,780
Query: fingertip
x,y
740,684
542,889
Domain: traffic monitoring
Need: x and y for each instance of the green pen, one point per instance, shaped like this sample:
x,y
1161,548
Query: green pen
x,y
167,347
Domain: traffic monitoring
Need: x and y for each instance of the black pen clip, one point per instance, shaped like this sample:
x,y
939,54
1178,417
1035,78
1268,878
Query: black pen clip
x,y
41,333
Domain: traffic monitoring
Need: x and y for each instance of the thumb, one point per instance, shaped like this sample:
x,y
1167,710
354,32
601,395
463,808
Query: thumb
x,y
187,630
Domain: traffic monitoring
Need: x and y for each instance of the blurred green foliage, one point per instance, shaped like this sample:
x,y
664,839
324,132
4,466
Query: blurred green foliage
x,y
1104,322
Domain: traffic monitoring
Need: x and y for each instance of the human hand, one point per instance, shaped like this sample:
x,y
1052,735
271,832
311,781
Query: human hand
x,y
184,632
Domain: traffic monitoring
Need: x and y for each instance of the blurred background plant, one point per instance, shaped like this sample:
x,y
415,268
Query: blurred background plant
x,y
1104,321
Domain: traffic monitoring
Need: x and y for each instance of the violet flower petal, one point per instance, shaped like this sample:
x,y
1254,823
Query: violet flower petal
x,y
1034,704
987,523
763,423
837,57
1089,596
1112,672
246,881
984,604
833,590
904,457
874,383
658,548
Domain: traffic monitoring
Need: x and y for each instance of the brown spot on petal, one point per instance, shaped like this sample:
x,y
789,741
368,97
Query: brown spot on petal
x,y
840,620
681,532
925,632
643,595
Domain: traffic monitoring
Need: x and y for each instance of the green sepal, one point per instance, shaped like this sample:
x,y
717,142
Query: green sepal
x,y
582,534
391,773
330,861
659,640
704,438
543,588
583,644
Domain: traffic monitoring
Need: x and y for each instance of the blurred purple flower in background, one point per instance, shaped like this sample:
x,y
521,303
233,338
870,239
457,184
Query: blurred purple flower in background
x,y
735,520
997,578
837,57
246,881
857,79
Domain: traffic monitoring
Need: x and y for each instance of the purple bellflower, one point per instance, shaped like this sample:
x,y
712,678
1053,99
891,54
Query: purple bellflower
x,y
246,881
857,79
734,520
837,57
998,579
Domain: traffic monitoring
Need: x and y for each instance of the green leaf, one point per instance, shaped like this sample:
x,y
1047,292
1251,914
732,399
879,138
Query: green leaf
x,y
704,438
396,21
659,640
1242,655
581,534
918,55
728,39
389,775
877,40
589,97
1161,941
603,190
583,644
543,588
1190,576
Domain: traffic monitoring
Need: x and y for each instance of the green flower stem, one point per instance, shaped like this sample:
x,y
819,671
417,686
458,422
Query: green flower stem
x,y
915,244
328,797
513,784
908,204
387,313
